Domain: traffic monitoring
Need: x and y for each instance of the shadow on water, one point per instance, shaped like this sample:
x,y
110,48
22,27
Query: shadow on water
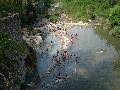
x,y
92,70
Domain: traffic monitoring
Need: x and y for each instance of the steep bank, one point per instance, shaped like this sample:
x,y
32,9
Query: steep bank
x,y
15,55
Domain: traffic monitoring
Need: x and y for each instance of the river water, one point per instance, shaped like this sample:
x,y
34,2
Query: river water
x,y
88,65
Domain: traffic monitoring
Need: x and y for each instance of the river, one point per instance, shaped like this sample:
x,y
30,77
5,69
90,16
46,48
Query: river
x,y
88,65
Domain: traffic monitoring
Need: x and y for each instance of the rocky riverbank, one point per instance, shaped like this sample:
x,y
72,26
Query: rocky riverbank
x,y
17,58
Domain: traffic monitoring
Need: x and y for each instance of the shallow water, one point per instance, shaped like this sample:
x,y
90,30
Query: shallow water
x,y
92,70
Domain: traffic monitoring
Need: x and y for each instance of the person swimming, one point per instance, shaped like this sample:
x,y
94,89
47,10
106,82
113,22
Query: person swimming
x,y
75,59
76,36
51,42
57,52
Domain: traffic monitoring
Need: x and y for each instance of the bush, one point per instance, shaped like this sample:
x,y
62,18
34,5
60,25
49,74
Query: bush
x,y
114,15
53,18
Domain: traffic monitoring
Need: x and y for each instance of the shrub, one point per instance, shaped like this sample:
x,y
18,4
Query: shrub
x,y
53,18
114,15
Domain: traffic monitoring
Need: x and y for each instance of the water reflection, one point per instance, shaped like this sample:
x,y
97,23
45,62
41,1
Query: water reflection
x,y
87,65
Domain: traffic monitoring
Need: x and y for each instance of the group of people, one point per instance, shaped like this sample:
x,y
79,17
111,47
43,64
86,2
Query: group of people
x,y
58,64
61,55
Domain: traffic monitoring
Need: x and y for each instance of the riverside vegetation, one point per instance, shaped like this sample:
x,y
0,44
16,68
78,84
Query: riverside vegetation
x,y
106,12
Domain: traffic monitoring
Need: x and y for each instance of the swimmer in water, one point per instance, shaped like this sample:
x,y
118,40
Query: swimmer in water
x,y
57,52
75,60
69,57
42,54
47,49
76,36
51,42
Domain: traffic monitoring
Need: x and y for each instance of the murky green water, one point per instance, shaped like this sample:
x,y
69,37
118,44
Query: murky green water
x,y
92,70
104,34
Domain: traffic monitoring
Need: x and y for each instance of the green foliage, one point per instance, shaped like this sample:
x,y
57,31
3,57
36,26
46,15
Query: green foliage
x,y
42,6
28,9
84,9
109,10
11,5
116,31
55,14
23,7
53,18
114,15
89,9
7,43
